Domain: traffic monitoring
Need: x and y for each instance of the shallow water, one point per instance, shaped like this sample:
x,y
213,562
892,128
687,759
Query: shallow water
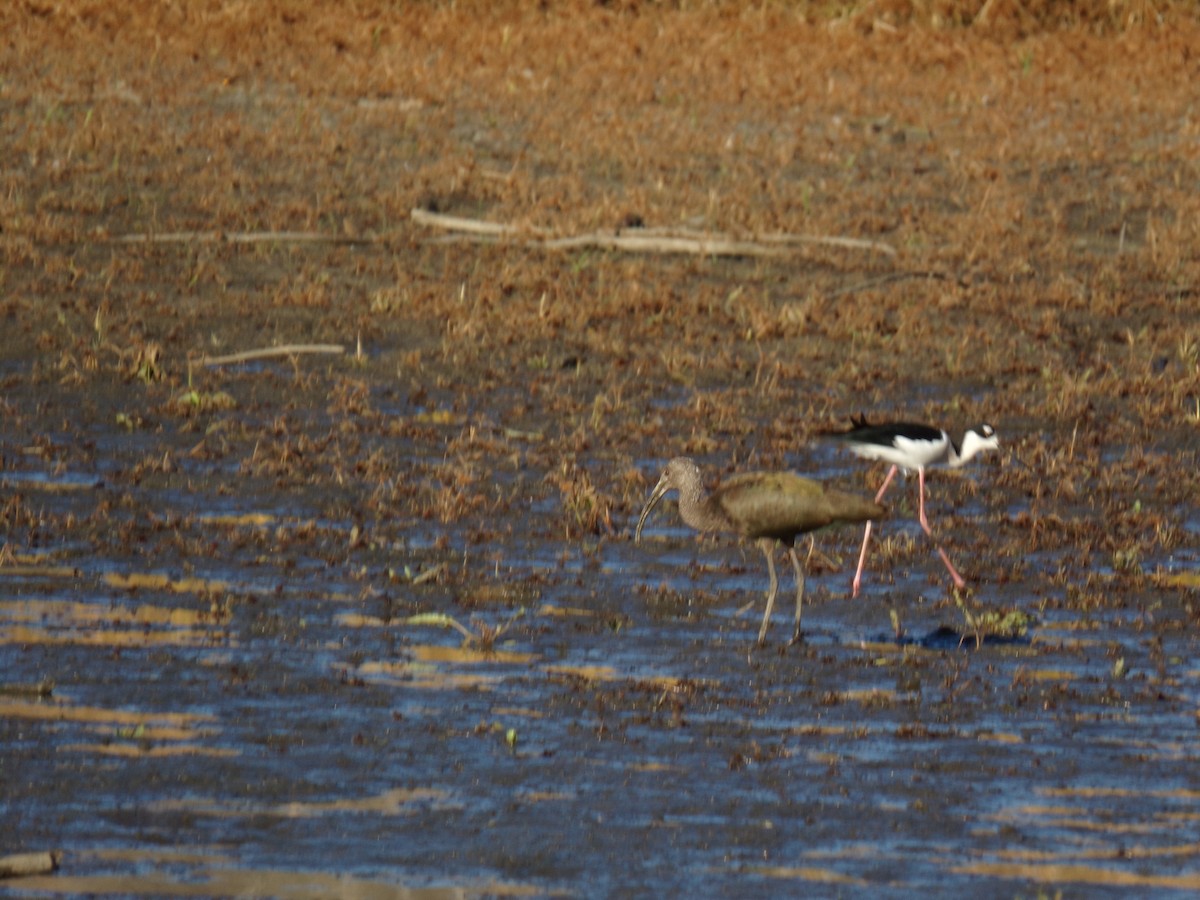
x,y
279,717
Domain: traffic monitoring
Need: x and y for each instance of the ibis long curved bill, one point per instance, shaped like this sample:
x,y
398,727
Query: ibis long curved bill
x,y
660,491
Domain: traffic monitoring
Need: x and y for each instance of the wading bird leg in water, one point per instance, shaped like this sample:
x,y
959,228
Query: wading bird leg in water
x,y
862,554
958,579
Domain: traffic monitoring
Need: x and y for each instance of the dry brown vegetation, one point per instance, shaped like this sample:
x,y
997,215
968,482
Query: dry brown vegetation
x,y
1033,165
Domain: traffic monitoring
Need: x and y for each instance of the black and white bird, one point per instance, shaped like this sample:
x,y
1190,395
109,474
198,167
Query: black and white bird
x,y
911,446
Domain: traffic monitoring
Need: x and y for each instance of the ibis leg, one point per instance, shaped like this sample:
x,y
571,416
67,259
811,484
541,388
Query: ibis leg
x,y
958,579
767,548
862,554
799,587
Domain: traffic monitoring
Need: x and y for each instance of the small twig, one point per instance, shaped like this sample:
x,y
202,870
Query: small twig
x,y
443,621
235,237
19,865
267,352
429,574
26,571
984,14
43,688
885,279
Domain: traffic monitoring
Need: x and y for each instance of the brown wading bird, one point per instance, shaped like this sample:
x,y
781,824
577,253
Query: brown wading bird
x,y
763,506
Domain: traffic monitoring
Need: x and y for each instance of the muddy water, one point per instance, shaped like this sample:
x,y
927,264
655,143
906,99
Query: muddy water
x,y
257,690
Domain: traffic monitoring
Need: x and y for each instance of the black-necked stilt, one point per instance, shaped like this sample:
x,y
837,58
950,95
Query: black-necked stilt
x,y
910,446
763,506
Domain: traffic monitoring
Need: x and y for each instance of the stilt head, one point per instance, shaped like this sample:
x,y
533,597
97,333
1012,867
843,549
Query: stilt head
x,y
977,440
681,474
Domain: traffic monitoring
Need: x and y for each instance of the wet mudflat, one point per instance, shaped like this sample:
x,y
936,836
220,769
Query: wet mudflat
x,y
373,623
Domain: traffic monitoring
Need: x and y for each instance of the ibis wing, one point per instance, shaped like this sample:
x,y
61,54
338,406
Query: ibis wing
x,y
845,508
782,505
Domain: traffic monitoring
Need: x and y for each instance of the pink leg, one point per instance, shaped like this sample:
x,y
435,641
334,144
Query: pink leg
x,y
862,558
958,579
862,554
921,501
883,487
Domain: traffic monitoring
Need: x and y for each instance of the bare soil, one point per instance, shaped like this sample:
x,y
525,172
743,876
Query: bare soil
x,y
374,622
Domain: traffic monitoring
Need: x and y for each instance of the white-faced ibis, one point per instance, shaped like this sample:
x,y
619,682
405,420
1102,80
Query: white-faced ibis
x,y
908,446
767,507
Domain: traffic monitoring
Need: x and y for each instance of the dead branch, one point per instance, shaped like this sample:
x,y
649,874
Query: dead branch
x,y
657,240
248,237
636,243
830,241
466,226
